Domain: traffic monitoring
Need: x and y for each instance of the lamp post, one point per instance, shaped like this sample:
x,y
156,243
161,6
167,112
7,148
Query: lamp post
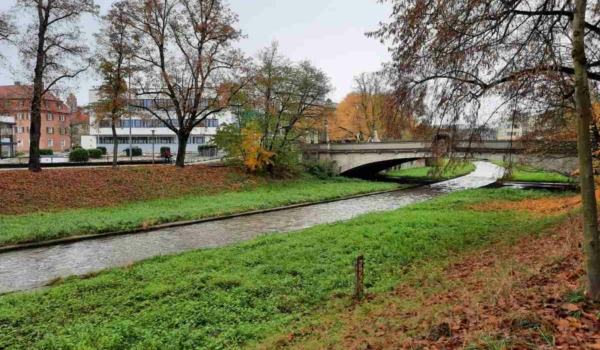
x,y
153,141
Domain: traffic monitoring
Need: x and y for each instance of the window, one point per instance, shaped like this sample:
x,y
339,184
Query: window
x,y
197,140
49,117
50,130
21,104
63,118
212,123
20,130
28,130
19,143
50,143
63,143
47,104
62,131
59,105
19,116
28,116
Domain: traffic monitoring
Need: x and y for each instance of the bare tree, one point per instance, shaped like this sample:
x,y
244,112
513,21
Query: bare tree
x,y
529,56
185,50
115,49
371,89
53,49
7,28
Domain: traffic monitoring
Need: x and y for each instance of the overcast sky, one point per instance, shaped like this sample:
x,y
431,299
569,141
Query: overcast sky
x,y
330,33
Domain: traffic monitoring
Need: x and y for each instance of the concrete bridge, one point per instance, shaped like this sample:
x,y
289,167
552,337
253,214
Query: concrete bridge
x,y
366,159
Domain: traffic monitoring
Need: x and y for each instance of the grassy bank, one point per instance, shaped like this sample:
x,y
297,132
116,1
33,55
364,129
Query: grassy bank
x,y
230,297
46,226
523,173
431,173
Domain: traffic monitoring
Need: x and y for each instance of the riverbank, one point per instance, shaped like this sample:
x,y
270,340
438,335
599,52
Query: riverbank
x,y
240,295
444,172
524,293
243,194
523,173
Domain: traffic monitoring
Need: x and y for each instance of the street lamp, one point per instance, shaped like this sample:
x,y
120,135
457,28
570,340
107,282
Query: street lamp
x,y
153,140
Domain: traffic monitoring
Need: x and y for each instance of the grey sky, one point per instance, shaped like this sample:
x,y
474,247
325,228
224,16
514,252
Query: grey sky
x,y
328,32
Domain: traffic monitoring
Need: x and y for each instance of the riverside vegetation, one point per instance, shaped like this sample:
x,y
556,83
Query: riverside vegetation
x,y
243,294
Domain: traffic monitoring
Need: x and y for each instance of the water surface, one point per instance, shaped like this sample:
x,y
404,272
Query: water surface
x,y
28,269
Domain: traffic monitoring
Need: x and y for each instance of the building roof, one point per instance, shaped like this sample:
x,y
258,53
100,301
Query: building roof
x,y
19,92
79,117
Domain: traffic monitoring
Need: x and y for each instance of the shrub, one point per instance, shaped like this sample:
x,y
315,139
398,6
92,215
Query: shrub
x,y
46,152
322,169
137,152
79,155
164,151
207,150
77,147
95,153
103,149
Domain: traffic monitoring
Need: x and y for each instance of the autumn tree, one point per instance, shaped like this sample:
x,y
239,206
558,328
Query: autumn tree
x,y
53,50
530,56
115,49
184,48
72,102
291,98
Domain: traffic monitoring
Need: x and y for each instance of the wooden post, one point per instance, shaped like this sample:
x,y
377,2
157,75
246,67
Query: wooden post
x,y
359,274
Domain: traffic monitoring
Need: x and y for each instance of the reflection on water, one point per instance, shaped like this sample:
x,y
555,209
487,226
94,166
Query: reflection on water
x,y
34,268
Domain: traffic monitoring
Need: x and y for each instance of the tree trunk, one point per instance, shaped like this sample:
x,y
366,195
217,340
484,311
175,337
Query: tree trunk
x,y
115,145
181,149
584,111
36,100
35,128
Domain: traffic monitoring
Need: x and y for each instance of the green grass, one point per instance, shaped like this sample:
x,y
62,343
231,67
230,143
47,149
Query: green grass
x,y
46,226
523,173
431,173
235,296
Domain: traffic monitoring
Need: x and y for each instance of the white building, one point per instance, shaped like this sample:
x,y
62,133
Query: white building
x,y
139,131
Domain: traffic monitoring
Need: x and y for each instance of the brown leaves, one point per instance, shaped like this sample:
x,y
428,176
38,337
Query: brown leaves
x,y
468,307
25,192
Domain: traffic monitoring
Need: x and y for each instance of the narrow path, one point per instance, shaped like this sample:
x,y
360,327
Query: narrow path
x,y
22,270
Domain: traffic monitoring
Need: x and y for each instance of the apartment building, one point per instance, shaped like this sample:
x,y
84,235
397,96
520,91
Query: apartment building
x,y
143,130
15,101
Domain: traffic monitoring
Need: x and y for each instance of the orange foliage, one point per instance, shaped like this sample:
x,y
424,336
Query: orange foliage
x,y
256,157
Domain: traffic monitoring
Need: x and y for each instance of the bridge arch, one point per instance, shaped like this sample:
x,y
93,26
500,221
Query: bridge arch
x,y
368,159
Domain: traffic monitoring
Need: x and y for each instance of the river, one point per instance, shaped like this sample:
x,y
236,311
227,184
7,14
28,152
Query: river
x,y
34,268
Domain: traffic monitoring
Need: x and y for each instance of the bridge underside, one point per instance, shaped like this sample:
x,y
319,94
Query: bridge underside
x,y
368,164
369,170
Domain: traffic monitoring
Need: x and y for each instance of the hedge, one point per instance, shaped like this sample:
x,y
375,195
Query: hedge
x,y
79,155
95,153
103,149
137,152
46,152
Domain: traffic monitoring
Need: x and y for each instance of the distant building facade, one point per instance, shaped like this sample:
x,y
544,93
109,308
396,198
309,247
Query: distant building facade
x,y
80,126
15,101
140,127
7,140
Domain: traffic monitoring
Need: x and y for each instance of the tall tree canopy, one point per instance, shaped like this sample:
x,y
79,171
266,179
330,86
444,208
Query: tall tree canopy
x,y
184,48
530,55
52,49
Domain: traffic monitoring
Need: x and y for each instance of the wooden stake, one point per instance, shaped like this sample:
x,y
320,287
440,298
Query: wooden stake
x,y
359,274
